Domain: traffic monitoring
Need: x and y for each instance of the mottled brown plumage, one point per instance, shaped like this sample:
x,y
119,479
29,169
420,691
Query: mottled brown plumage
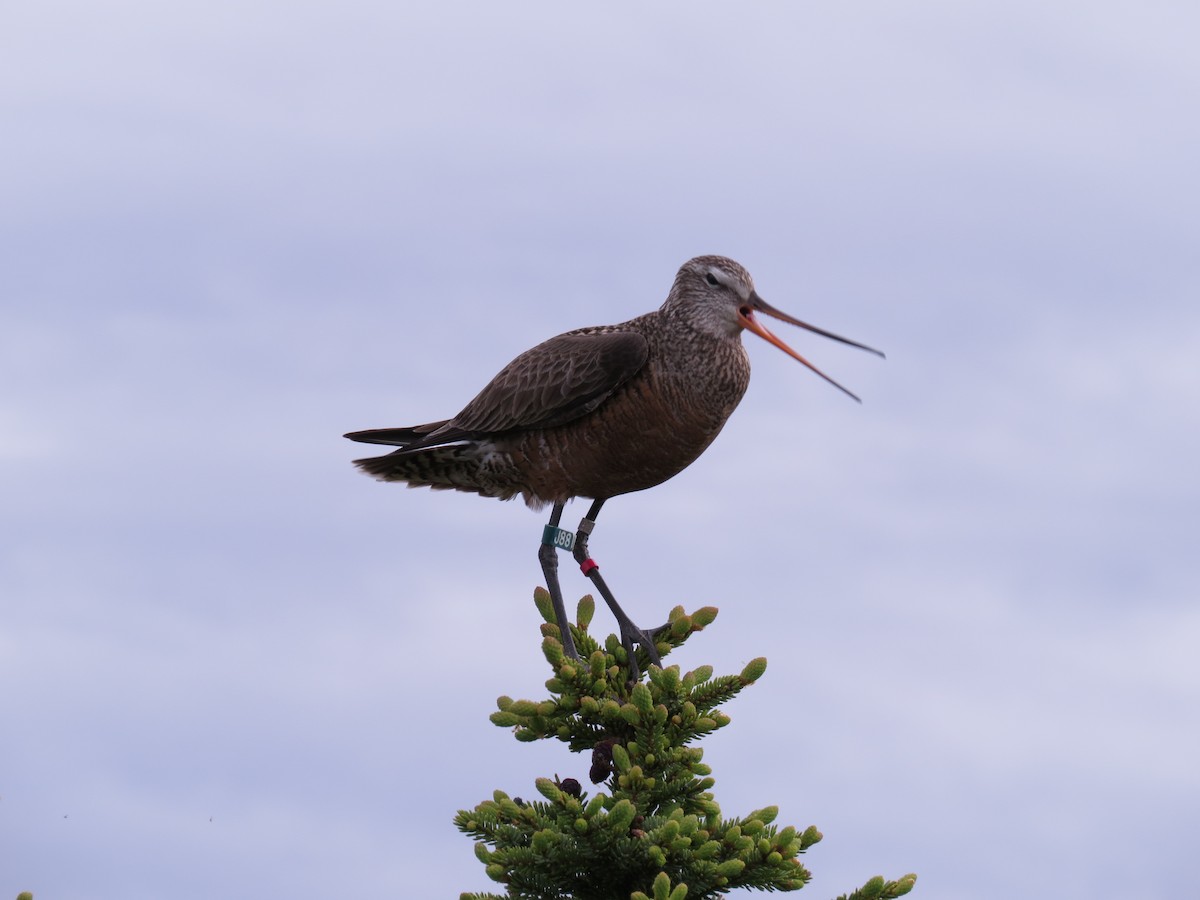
x,y
598,411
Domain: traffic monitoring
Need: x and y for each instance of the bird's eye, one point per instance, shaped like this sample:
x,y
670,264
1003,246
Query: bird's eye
x,y
711,279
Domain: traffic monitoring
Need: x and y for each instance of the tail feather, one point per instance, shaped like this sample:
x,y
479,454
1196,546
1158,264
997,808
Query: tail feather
x,y
455,467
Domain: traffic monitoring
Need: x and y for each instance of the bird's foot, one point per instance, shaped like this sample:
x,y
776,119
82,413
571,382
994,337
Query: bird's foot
x,y
633,638
568,643
549,560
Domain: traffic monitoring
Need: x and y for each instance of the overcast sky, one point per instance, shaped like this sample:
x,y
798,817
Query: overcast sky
x,y
232,667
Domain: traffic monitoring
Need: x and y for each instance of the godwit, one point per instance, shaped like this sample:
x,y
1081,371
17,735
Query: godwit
x,y
598,412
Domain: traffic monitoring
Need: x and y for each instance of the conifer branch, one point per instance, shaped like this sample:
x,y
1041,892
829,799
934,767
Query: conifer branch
x,y
653,831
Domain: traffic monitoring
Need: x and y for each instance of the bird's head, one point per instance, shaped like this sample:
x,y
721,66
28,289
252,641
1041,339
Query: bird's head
x,y
716,295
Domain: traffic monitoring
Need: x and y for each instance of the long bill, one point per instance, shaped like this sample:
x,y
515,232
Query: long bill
x,y
748,321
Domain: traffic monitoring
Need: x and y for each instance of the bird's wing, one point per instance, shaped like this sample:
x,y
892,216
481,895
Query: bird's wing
x,y
557,381
398,437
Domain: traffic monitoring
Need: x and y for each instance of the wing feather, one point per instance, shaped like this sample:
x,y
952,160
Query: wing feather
x,y
553,383
398,437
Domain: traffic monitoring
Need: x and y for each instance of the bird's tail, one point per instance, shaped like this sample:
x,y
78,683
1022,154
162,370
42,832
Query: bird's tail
x,y
456,467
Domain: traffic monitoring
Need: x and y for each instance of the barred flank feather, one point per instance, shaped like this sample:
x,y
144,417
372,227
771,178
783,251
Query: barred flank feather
x,y
460,467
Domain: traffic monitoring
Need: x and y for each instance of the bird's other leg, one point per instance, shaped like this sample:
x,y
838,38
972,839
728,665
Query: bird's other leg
x,y
548,555
630,633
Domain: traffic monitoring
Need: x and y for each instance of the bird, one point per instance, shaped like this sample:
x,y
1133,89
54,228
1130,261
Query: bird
x,y
598,412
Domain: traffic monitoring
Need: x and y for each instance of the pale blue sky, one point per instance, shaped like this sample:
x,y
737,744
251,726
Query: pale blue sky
x,y
231,232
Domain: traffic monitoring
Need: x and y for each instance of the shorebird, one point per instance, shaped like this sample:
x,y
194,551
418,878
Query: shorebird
x,y
599,412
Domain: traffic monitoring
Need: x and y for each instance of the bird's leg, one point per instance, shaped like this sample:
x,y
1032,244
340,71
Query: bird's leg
x,y
548,555
630,633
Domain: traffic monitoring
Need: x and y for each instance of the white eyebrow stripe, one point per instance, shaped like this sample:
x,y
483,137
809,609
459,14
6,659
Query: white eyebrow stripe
x,y
730,281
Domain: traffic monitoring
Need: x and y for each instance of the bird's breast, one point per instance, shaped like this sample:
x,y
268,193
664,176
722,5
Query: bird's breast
x,y
652,428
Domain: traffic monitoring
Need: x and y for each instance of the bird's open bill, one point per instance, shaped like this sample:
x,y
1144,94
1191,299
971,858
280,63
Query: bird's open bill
x,y
748,321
